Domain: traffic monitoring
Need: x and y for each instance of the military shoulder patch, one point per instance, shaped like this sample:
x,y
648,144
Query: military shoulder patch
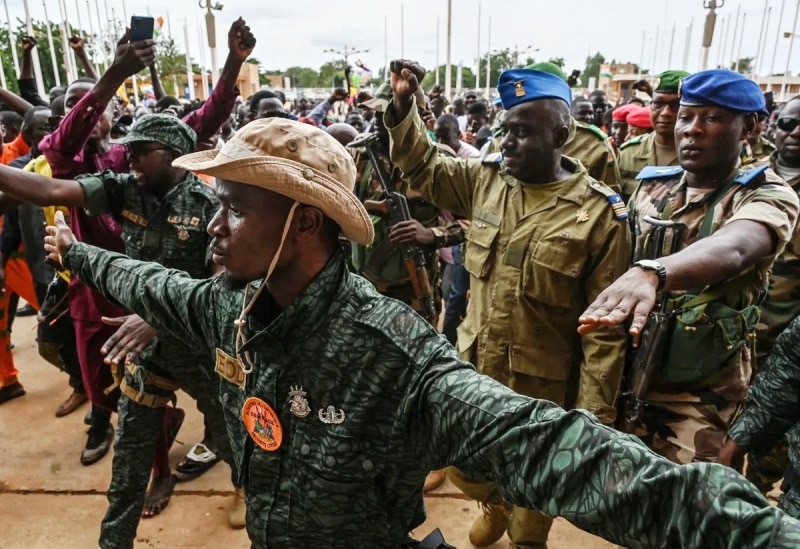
x,y
635,141
659,172
592,128
614,199
744,177
492,158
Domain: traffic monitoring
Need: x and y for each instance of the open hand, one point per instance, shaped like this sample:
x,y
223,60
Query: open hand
x,y
58,240
240,40
633,294
133,335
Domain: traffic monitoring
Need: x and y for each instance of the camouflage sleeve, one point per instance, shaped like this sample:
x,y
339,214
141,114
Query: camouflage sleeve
x,y
773,204
773,401
105,192
167,299
448,183
604,350
567,464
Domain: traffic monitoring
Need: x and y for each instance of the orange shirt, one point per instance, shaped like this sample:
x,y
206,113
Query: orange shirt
x,y
13,150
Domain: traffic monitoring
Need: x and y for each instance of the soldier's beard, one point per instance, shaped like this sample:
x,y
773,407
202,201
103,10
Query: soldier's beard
x,y
232,284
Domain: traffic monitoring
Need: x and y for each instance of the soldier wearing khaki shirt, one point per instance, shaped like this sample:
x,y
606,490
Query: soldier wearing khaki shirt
x,y
656,148
545,238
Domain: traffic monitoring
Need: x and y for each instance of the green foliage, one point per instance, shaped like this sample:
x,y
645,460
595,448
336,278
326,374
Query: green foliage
x,y
592,69
745,65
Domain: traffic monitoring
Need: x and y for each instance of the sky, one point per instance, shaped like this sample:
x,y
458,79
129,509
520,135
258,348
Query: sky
x,y
291,34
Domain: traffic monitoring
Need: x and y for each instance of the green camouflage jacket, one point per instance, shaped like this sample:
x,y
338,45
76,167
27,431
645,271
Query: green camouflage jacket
x,y
772,408
369,398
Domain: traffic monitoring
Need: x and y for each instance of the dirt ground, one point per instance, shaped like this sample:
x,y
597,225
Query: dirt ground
x,y
47,499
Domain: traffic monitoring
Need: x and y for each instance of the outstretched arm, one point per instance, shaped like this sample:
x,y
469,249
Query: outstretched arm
x,y
158,87
26,80
40,190
76,43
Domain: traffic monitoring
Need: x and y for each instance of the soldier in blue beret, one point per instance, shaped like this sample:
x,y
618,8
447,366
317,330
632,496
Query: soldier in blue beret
x,y
522,201
736,221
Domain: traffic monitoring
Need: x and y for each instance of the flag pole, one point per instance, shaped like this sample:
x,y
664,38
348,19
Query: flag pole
x,y
37,67
56,72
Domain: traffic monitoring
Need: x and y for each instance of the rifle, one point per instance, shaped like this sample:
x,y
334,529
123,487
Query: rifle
x,y
396,205
650,353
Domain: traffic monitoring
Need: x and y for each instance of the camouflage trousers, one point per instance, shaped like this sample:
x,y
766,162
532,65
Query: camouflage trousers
x,y
138,430
686,432
765,471
526,526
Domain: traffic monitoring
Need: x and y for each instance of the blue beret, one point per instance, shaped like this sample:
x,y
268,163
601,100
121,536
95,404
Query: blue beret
x,y
520,85
722,88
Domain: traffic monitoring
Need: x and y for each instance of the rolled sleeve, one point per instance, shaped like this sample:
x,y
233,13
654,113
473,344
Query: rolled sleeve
x,y
774,205
105,192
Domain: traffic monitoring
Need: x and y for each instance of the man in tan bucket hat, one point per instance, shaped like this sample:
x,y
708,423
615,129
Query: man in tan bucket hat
x,y
338,400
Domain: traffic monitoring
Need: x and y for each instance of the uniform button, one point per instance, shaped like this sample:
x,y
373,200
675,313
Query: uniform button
x,y
366,307
305,449
308,173
367,465
291,145
330,461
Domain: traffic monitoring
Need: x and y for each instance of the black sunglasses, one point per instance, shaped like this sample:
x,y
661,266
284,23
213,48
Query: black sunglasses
x,y
788,124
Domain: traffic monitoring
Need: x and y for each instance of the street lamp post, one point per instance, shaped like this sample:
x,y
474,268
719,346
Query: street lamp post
x,y
212,36
708,33
345,55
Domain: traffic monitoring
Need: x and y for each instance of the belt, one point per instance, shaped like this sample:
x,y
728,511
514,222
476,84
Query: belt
x,y
144,378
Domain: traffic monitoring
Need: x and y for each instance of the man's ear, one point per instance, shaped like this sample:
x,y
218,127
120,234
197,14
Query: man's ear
x,y
749,126
561,136
310,221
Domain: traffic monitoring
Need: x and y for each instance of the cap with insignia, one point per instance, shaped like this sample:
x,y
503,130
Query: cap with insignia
x,y
522,85
547,66
722,88
668,81
163,129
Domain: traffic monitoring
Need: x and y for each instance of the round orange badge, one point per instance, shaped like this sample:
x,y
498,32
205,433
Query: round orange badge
x,y
262,424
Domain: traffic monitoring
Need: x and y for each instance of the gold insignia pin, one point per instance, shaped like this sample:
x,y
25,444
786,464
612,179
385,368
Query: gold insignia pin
x,y
582,216
519,89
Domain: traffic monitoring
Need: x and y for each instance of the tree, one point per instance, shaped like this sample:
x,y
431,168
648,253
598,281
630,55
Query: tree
x,y
302,77
745,65
331,74
171,63
558,61
592,69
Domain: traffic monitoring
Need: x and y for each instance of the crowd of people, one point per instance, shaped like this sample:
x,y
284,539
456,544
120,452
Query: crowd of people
x,y
383,289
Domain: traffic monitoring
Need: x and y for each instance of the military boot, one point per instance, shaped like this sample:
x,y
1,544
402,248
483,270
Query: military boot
x,y
491,525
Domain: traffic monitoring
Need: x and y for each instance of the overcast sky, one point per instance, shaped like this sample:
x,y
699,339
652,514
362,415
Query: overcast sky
x,y
290,33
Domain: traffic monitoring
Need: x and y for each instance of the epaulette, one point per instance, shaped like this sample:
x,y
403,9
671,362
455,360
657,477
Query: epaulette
x,y
635,141
744,177
659,172
617,204
492,158
592,128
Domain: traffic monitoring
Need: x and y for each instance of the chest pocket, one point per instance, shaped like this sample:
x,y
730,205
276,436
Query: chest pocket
x,y
552,275
185,248
337,492
134,237
478,251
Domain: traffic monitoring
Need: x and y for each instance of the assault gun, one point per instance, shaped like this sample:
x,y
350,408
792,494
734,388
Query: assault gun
x,y
650,354
396,206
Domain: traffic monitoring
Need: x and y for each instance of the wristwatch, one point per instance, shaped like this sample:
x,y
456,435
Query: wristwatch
x,y
653,265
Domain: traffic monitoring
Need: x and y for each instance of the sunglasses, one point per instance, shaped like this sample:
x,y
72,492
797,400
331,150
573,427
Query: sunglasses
x,y
660,105
788,124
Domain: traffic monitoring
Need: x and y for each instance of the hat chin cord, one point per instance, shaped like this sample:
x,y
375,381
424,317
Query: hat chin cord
x,y
244,357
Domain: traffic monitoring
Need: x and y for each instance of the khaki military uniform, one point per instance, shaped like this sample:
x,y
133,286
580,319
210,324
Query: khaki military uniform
x,y
382,262
689,423
537,256
592,147
634,156
758,153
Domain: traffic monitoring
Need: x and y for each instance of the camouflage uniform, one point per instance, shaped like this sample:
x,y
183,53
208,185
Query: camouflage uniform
x,y
781,306
772,410
634,155
406,405
172,232
382,262
537,256
688,423
762,151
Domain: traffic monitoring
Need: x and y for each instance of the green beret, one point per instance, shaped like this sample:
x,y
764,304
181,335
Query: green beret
x,y
163,129
547,66
668,81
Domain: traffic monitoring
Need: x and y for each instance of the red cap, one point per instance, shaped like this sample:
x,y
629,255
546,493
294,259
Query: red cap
x,y
621,112
639,118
